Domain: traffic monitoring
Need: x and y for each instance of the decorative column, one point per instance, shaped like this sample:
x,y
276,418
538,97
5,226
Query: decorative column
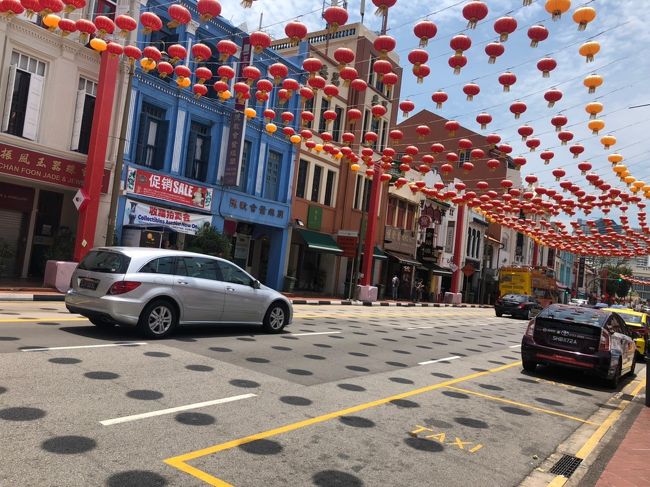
x,y
457,276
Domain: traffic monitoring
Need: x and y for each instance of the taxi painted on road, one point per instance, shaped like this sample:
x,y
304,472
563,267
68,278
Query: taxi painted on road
x,y
637,323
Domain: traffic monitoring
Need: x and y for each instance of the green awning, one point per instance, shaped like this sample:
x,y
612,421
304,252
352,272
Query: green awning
x,y
378,253
320,242
403,259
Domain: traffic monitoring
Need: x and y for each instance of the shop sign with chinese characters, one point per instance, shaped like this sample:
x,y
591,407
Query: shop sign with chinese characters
x,y
142,214
41,167
167,188
237,207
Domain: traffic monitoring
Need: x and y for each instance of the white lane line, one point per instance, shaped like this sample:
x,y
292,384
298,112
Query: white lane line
x,y
161,412
453,357
515,346
420,328
45,349
315,333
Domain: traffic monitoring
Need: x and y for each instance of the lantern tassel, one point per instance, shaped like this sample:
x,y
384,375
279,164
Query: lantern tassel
x,y
546,74
492,60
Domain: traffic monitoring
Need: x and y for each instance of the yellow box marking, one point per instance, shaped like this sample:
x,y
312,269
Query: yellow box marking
x,y
520,404
180,461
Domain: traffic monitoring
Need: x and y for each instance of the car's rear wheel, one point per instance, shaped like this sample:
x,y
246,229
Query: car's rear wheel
x,y
633,368
499,314
276,318
158,319
614,381
529,365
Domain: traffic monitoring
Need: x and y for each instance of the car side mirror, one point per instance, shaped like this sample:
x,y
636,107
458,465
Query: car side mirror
x,y
255,284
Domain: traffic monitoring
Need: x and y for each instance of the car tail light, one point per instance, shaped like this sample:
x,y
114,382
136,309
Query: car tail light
x,y
530,331
122,287
604,345
521,306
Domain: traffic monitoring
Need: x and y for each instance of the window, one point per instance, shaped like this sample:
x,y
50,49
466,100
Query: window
x,y
329,188
366,116
245,164
366,193
163,38
105,262
309,107
23,100
316,183
198,267
463,156
336,130
230,273
83,116
152,137
401,214
324,106
164,265
358,192
392,211
384,135
504,242
449,241
271,187
198,152
104,7
301,183
374,127
410,216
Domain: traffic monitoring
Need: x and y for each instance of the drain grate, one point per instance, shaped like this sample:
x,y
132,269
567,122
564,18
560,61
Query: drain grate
x,y
627,397
566,465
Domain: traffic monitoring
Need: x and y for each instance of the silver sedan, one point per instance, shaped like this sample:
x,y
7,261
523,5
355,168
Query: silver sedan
x,y
156,290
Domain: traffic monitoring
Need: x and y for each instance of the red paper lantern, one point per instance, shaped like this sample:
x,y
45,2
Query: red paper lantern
x,y
407,106
418,57
474,12
546,156
226,73
260,41
269,115
104,25
483,119
451,126
494,50
330,91
50,7
439,97
317,83
296,31
131,52
114,49
390,80
176,52
536,34
150,21
335,17
422,131
518,108
457,62
460,43
533,144
576,150
312,65
477,154
519,161
446,169
384,44
358,85
226,48
263,85
164,69
507,79
381,67
546,65
378,111
383,6
558,122
421,72
471,90
67,26
565,137
370,137
201,52
344,56
584,167
208,9
70,5
287,118
437,148
251,73
552,96
525,131
14,7
126,24
199,90
348,74
203,74
559,173
505,148
467,167
179,15
354,115
425,30
493,164
505,26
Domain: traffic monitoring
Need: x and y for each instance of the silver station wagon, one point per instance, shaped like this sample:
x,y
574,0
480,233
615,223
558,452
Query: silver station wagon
x,y
156,290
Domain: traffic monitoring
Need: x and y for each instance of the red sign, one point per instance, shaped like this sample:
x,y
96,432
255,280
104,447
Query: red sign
x,y
348,245
167,188
41,167
14,197
469,270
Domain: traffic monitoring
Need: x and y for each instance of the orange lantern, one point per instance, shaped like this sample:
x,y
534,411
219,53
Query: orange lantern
x,y
583,15
589,50
596,126
557,7
593,109
592,82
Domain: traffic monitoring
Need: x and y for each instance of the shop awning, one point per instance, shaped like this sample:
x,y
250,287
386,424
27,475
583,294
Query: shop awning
x,y
378,253
441,271
403,258
561,286
320,242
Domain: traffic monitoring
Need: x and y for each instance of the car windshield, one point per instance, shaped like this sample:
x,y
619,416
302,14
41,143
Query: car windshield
x,y
105,261
574,314
630,318
515,297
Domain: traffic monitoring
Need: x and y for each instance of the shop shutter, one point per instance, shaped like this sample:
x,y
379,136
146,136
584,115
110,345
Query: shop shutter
x,y
32,113
78,119
11,224
8,98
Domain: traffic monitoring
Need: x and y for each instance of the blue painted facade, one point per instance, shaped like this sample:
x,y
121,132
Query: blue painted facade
x,y
262,201
565,270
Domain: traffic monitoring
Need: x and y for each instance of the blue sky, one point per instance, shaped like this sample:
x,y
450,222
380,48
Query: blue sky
x,y
621,28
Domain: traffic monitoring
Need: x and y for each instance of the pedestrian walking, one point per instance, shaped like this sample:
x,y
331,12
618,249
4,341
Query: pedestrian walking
x,y
419,289
395,286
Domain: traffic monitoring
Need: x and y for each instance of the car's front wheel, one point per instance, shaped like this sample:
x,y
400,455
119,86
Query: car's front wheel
x,y
276,318
499,314
614,381
158,319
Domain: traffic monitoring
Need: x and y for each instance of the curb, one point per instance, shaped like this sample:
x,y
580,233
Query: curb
x,y
31,297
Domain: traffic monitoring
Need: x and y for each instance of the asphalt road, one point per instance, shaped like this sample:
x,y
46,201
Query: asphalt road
x,y
348,396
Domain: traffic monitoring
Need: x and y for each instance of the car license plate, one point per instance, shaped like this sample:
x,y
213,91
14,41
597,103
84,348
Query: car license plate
x,y
88,284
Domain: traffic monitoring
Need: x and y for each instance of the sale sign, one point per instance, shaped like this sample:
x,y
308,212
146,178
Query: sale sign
x,y
167,188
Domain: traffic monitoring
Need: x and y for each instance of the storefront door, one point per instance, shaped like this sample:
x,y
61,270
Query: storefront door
x,y
15,207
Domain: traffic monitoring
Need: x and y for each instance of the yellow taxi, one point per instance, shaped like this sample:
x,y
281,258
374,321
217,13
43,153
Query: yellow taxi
x,y
638,325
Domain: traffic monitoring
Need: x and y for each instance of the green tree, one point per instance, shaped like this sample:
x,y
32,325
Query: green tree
x,y
617,286
208,240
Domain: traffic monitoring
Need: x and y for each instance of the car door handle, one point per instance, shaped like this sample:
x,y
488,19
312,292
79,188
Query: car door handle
x,y
231,289
183,282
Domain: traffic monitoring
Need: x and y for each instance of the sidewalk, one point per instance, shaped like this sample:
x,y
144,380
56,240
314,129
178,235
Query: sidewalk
x,y
47,294
629,465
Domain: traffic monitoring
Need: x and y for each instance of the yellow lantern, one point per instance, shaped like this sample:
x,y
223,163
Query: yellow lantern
x,y
624,174
647,195
225,95
250,113
355,167
589,50
51,21
596,126
338,155
646,188
146,63
183,82
620,169
271,128
592,82
318,147
638,184
583,15
608,141
629,179
615,158
593,109
98,44
557,7
634,189
295,139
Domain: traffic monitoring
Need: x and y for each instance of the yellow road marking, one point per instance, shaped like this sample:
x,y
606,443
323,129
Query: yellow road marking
x,y
18,319
179,461
520,404
597,435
